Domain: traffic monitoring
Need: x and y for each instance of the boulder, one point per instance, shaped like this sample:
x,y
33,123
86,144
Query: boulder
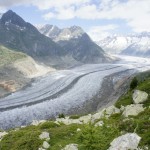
x,y
125,142
2,134
45,145
111,110
133,110
139,96
45,136
71,147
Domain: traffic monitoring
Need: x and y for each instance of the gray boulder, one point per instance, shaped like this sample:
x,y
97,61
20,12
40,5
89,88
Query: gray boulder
x,y
139,96
125,142
132,110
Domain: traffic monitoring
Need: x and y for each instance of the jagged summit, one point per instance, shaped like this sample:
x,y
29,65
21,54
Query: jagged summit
x,y
58,34
13,18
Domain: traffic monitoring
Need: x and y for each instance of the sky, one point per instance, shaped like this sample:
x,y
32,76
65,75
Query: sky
x,y
99,18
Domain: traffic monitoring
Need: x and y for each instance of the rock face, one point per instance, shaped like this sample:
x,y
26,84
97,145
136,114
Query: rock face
x,y
125,142
139,96
133,110
71,147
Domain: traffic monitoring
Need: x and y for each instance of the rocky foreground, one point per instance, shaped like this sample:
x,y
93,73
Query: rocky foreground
x,y
122,126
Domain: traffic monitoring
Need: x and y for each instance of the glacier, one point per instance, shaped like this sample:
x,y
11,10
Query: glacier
x,y
63,91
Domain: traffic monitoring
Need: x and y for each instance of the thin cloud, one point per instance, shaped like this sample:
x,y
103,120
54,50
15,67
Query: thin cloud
x,y
100,32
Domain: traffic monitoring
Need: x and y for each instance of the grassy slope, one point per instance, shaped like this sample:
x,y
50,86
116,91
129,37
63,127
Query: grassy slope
x,y
90,137
8,56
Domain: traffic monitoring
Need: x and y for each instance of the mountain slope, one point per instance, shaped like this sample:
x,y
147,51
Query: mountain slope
x,y
17,69
23,36
76,44
134,44
8,56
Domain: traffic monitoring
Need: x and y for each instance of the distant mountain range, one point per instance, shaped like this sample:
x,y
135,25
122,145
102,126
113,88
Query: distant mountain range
x,y
22,36
134,44
76,43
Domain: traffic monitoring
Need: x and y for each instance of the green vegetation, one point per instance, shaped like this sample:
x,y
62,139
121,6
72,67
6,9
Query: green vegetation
x,y
74,117
61,116
8,56
133,83
96,138
89,137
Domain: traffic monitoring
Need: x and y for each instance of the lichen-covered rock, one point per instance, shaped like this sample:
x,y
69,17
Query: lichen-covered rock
x,y
71,147
125,142
139,96
46,145
45,136
133,110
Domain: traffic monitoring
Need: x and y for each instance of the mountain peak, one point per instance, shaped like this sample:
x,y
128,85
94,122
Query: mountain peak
x,y
13,18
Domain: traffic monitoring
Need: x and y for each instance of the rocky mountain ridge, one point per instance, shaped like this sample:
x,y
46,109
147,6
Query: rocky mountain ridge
x,y
77,44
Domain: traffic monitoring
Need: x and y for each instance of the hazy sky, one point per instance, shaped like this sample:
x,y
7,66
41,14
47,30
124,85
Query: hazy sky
x,y
97,17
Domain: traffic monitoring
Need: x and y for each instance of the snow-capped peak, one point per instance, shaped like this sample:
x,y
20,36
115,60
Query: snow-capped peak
x,y
129,44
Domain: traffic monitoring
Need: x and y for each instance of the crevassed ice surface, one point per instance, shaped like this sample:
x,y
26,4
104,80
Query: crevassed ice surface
x,y
62,91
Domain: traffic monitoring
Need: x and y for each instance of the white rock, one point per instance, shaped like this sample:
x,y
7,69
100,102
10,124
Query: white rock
x,y
125,142
100,123
133,110
139,96
45,145
44,135
2,134
37,122
71,147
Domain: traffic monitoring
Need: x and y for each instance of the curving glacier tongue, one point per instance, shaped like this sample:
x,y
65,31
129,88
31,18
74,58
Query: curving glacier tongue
x,y
63,91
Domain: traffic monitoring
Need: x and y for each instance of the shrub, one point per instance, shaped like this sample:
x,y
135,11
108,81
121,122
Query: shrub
x,y
133,83
96,138
48,125
61,116
74,117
